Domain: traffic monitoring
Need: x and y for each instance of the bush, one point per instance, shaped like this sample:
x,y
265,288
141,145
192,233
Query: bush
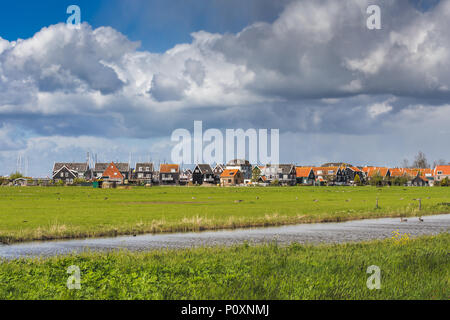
x,y
445,182
275,183
79,181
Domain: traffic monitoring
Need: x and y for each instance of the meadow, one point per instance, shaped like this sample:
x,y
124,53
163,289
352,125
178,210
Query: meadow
x,y
44,213
410,269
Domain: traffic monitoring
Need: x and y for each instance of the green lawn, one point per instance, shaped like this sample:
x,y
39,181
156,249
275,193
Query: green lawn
x,y
36,213
413,269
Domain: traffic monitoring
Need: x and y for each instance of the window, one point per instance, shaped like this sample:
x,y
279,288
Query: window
x,y
62,174
140,169
147,169
439,172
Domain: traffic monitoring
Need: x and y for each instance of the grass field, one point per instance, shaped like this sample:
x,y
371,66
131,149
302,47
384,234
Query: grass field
x,y
76,212
413,269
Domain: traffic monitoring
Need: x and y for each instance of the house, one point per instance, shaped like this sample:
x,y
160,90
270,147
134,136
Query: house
x,y
124,169
419,181
326,175
185,177
231,177
112,174
285,174
80,170
203,173
371,172
169,174
143,172
350,174
243,166
65,174
218,169
305,175
441,172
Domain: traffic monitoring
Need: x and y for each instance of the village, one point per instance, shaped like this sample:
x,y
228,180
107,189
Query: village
x,y
235,173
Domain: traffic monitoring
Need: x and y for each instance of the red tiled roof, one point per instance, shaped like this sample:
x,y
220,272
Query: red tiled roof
x,y
303,172
169,168
229,173
444,169
112,172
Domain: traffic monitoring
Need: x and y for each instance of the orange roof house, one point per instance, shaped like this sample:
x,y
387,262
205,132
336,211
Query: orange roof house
x,y
441,172
305,175
231,177
112,174
373,171
303,172
169,168
169,174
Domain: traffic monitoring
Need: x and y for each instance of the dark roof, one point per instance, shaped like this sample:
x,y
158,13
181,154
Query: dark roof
x,y
285,168
101,167
205,168
144,165
238,162
79,167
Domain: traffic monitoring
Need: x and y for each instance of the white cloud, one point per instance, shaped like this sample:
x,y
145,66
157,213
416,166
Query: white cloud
x,y
317,68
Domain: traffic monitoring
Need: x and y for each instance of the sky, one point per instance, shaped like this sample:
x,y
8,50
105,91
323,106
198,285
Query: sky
x,y
137,70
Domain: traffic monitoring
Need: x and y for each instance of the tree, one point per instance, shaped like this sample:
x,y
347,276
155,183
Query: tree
x,y
357,180
420,161
445,182
376,180
15,175
405,163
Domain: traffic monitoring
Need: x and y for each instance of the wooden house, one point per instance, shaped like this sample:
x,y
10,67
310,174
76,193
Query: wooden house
x,y
218,169
112,174
305,175
124,169
203,174
169,174
64,174
185,177
143,173
77,170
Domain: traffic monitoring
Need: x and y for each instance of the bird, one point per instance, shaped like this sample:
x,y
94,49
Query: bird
x,y
106,198
257,198
420,219
403,219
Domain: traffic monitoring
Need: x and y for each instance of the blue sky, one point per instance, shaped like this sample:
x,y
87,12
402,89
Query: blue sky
x,y
311,68
158,24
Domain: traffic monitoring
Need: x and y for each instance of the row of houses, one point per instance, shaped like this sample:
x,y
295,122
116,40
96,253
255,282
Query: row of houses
x,y
241,172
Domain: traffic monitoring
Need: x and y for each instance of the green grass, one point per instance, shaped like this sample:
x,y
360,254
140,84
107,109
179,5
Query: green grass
x,y
75,212
413,269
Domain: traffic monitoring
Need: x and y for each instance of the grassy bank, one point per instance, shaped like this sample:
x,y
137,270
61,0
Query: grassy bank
x,y
412,269
74,212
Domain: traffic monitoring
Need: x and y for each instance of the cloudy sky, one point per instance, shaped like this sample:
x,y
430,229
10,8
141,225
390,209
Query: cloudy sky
x,y
137,70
